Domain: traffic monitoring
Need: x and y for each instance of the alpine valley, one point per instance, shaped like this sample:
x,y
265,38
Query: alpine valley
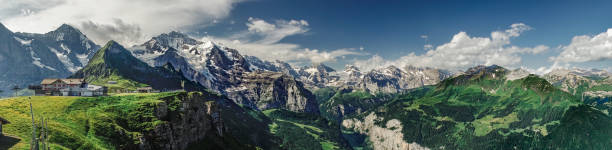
x,y
213,97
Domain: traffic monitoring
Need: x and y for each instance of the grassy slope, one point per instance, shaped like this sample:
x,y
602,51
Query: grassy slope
x,y
86,123
98,65
353,101
304,131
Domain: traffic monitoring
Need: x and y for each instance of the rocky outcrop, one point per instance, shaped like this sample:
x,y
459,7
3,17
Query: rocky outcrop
x,y
389,137
273,90
195,119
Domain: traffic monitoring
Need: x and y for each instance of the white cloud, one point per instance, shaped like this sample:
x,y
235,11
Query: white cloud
x,y
11,8
374,62
586,48
263,40
464,51
151,17
317,56
427,46
546,69
273,33
117,30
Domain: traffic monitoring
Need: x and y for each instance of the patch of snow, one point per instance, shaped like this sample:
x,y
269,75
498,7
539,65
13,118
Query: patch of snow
x,y
83,59
312,70
23,42
66,49
208,44
60,37
36,61
87,45
65,60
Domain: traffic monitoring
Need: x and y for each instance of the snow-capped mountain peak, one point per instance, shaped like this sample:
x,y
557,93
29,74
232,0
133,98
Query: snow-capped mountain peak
x,y
57,53
203,61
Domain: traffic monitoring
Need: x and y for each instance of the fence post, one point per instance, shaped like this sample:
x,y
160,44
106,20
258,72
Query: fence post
x,y
34,142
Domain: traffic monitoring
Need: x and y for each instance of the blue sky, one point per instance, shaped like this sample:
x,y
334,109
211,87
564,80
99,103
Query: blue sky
x,y
365,33
394,28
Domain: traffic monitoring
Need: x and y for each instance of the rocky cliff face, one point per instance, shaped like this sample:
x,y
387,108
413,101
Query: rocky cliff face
x,y
388,137
195,119
270,90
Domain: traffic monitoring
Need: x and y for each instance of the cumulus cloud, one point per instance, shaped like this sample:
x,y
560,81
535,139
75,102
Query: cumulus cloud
x,y
587,48
263,40
464,51
148,17
117,30
272,33
376,61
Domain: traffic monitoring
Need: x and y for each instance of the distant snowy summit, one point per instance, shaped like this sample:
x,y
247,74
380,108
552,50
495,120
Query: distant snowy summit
x,y
27,58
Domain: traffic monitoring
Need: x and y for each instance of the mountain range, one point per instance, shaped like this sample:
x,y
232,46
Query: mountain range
x,y
243,102
482,109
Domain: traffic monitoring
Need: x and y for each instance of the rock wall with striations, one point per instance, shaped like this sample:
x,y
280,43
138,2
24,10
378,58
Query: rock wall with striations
x,y
273,90
195,118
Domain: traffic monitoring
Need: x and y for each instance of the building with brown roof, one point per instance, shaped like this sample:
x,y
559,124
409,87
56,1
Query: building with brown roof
x,y
53,86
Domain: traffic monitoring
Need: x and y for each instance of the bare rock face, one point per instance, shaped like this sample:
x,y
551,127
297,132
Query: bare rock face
x,y
194,119
389,137
568,79
273,90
